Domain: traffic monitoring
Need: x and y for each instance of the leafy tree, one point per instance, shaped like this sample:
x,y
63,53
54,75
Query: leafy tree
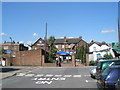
x,y
2,51
53,49
81,53
108,56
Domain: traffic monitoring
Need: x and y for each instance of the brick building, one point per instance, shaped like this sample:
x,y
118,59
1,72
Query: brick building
x,y
36,56
10,49
62,44
14,46
69,44
40,44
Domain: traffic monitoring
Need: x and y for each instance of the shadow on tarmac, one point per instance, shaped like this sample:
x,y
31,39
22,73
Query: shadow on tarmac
x,y
4,70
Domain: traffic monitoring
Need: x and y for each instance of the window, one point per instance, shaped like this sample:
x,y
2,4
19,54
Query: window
x,y
62,46
56,46
94,48
40,41
5,47
15,47
69,46
106,72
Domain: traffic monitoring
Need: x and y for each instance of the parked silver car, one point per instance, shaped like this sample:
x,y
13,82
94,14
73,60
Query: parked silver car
x,y
93,71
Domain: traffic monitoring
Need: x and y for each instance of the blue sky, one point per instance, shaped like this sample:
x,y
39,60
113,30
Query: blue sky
x,y
25,21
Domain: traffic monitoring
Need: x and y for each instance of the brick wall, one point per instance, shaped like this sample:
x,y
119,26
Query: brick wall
x,y
30,57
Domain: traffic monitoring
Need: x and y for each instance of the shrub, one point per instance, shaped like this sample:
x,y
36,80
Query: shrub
x,y
92,62
108,56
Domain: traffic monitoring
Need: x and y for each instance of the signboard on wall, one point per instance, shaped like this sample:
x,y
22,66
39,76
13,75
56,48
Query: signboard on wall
x,y
9,51
40,44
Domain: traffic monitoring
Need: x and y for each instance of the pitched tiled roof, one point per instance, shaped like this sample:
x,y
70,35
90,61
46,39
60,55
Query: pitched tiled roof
x,y
63,40
68,40
43,41
98,43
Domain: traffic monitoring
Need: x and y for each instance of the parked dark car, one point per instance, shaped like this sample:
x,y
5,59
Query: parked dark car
x,y
109,77
93,71
117,85
103,64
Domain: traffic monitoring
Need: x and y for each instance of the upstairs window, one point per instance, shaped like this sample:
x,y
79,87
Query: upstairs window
x,y
62,46
15,47
94,48
5,47
56,46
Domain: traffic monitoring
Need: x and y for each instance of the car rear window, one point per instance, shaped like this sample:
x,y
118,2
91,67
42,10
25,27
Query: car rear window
x,y
103,65
106,72
116,63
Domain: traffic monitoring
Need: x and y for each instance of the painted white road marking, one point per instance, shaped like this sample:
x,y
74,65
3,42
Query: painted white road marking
x,y
34,79
67,75
58,76
49,79
90,81
43,82
44,79
29,75
48,75
76,75
21,74
55,79
39,75
62,78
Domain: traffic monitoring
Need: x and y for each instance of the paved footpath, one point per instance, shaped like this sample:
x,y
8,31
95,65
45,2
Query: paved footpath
x,y
9,71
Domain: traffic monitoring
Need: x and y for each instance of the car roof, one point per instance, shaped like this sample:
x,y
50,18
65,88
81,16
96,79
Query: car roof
x,y
108,60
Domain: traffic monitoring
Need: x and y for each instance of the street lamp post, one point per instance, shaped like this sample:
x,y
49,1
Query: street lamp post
x,y
11,52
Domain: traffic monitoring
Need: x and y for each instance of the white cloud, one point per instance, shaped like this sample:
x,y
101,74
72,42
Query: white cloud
x,y
2,34
35,35
29,42
21,42
107,31
70,37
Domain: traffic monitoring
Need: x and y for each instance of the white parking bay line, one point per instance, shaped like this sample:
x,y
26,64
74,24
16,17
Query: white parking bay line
x,y
67,75
76,75
21,74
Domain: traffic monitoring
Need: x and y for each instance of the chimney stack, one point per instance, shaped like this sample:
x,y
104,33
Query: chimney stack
x,y
80,37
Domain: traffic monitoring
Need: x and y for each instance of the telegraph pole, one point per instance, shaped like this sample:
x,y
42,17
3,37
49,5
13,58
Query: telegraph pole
x,y
46,32
45,40
118,23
